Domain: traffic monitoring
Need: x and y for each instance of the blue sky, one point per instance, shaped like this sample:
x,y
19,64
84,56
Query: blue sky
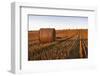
x,y
58,22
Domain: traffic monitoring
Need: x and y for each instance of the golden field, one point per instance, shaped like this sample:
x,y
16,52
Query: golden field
x,y
46,44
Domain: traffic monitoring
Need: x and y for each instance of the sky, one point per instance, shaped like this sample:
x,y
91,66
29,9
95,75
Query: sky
x,y
58,22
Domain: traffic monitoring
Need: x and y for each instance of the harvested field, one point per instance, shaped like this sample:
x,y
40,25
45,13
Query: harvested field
x,y
68,44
